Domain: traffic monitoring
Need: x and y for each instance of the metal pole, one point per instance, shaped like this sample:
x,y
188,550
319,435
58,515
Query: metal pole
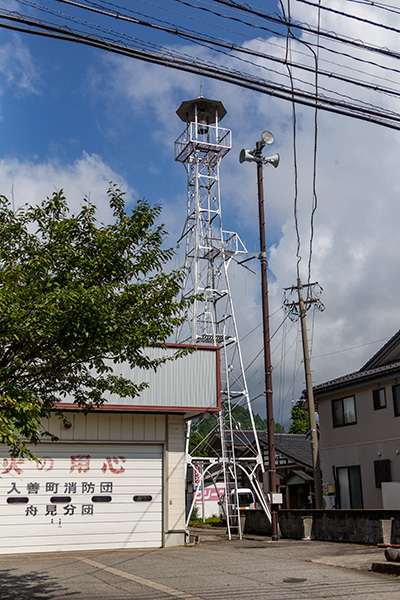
x,y
310,400
267,349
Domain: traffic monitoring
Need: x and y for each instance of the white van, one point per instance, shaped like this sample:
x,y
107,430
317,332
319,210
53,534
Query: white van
x,y
245,497
246,502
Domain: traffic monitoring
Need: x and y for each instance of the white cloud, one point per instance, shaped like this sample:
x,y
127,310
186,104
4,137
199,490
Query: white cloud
x,y
17,67
88,176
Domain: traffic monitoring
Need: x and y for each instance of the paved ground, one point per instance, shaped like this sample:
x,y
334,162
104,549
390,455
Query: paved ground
x,y
215,569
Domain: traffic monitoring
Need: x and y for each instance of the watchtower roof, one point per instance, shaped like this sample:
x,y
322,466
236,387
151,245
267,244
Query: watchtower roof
x,y
207,110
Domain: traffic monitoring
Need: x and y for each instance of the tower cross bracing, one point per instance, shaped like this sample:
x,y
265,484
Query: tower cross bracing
x,y
209,251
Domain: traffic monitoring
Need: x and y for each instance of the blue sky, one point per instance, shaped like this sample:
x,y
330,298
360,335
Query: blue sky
x,y
74,117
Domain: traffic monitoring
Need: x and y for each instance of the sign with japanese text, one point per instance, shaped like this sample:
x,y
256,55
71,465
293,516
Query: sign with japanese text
x,y
84,484
82,496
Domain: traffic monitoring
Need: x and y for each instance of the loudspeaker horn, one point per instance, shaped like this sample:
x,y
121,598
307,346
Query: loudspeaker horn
x,y
272,160
267,137
246,155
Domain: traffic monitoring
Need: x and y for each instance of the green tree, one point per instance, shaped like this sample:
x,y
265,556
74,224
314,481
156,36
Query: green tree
x,y
300,420
241,420
77,296
197,444
278,428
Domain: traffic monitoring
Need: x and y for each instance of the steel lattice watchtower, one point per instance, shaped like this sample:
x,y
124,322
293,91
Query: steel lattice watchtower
x,y
209,252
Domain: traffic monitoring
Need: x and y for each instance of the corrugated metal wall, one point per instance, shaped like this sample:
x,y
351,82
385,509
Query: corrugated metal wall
x,y
188,382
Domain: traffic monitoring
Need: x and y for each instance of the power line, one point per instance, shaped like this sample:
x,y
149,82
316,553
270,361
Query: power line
x,y
351,348
350,16
217,44
279,34
168,58
296,25
305,27
381,5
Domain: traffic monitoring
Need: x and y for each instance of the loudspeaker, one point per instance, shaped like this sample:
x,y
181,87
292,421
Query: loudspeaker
x,y
246,155
272,160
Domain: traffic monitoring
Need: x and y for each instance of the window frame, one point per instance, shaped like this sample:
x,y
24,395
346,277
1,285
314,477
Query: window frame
x,y
382,471
377,399
351,471
342,413
396,401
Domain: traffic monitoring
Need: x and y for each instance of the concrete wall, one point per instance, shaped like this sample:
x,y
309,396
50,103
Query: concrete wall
x,y
256,521
356,526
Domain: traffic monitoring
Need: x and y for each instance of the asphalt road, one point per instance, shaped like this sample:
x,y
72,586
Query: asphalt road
x,y
215,569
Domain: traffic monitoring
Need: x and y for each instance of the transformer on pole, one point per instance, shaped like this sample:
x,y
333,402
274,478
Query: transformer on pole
x,y
209,250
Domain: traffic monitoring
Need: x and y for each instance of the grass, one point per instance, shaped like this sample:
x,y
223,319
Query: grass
x,y
212,521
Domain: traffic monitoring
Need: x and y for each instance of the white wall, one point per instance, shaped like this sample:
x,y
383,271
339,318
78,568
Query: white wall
x,y
391,495
175,480
168,429
375,436
102,426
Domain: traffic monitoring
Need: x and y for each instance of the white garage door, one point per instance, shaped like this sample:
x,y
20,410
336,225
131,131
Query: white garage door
x,y
90,496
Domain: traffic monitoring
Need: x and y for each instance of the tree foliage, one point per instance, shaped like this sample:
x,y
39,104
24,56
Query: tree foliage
x,y
300,420
197,444
203,430
278,428
77,296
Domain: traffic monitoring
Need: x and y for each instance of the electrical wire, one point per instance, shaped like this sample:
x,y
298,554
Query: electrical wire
x,y
175,30
315,157
172,29
282,371
306,28
350,16
240,78
277,33
374,3
351,348
290,36
202,40
379,5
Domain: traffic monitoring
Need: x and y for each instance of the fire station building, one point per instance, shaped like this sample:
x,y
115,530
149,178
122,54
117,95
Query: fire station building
x,y
115,477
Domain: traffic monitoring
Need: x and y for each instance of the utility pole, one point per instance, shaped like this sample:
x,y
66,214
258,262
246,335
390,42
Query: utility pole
x,y
299,309
256,155
267,346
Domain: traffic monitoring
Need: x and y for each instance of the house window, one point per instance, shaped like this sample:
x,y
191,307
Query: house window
x,y
382,472
350,490
344,411
379,397
396,400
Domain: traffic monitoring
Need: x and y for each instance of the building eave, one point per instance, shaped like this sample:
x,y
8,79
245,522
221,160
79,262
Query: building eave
x,y
381,357
357,379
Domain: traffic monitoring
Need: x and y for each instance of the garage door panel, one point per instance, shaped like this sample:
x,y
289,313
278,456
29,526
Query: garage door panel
x,y
70,546
43,510
89,496
100,516
121,529
74,542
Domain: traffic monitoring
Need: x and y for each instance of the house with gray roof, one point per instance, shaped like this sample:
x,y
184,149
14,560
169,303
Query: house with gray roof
x,y
293,461
359,419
